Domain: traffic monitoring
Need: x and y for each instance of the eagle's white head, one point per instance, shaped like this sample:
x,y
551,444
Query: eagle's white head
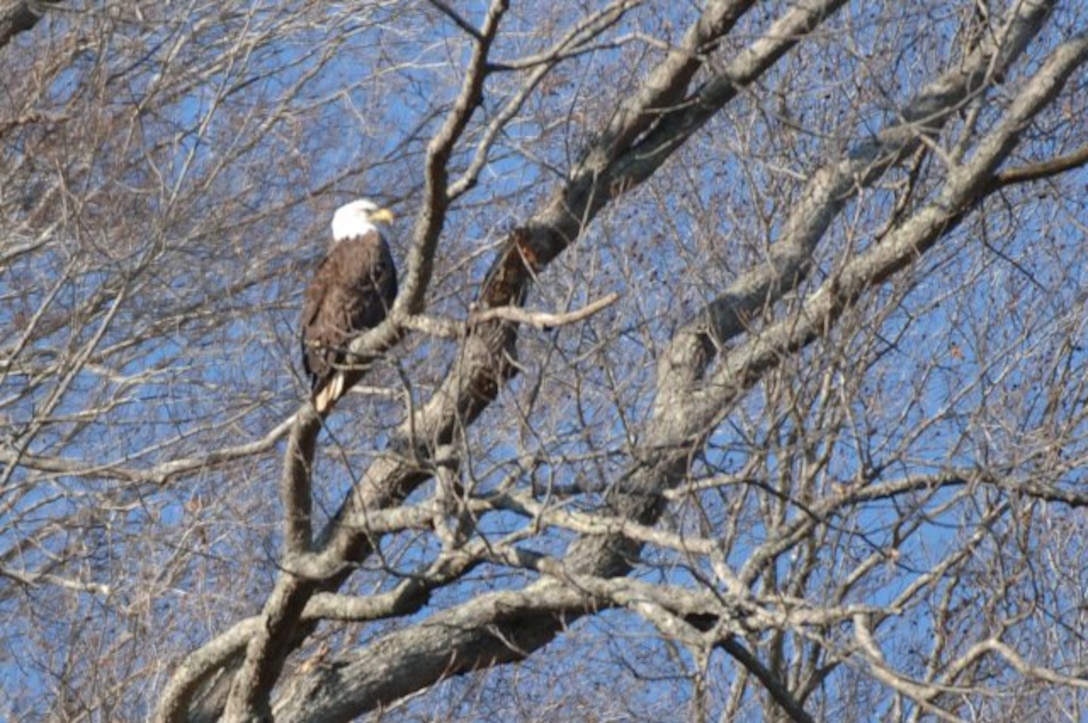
x,y
358,218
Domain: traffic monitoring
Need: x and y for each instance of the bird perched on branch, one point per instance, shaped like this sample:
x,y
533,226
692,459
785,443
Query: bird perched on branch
x,y
352,291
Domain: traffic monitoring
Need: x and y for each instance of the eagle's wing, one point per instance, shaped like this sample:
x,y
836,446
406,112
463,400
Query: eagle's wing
x,y
319,340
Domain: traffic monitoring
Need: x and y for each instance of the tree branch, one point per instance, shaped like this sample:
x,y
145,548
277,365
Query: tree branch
x,y
1043,169
542,319
774,685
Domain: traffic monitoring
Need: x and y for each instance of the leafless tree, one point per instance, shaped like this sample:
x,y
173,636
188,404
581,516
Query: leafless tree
x,y
736,370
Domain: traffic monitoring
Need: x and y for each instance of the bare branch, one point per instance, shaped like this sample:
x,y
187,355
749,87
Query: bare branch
x,y
774,685
1043,169
541,319
459,21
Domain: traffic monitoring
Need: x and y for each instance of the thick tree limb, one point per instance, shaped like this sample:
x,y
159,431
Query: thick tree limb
x,y
507,626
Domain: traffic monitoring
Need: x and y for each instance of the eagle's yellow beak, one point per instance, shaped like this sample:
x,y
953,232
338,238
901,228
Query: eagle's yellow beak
x,y
382,214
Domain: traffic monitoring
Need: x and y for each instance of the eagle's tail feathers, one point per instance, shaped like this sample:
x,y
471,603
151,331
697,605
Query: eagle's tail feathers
x,y
329,394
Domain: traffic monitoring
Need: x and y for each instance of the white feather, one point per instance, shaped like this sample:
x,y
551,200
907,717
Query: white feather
x,y
353,219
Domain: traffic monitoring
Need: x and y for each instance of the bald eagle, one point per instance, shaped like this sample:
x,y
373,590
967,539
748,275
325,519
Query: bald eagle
x,y
352,291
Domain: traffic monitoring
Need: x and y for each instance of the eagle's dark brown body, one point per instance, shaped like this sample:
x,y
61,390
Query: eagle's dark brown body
x,y
352,291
